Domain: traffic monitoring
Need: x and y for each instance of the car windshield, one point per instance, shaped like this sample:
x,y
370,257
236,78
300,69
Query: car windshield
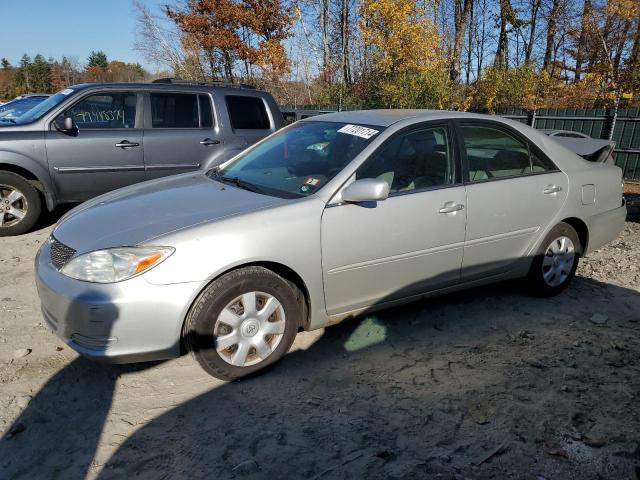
x,y
42,108
17,107
299,160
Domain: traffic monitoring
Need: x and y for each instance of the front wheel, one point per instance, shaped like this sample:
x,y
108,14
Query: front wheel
x,y
20,204
556,262
242,322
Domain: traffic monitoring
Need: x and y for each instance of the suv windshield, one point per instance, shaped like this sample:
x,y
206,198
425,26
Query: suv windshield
x,y
42,108
299,160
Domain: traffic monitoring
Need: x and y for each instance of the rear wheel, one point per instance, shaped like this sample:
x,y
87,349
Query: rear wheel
x,y
556,262
242,322
20,204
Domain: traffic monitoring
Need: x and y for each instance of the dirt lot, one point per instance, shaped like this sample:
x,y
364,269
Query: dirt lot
x,y
488,383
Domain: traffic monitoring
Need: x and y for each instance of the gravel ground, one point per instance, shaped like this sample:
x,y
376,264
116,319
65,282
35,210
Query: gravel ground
x,y
488,383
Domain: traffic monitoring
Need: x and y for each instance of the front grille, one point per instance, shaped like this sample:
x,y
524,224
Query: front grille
x,y
60,253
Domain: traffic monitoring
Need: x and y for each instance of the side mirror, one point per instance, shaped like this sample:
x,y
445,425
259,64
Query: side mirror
x,y
366,190
66,125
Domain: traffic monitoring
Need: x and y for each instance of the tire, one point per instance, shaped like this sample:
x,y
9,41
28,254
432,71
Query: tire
x,y
206,333
17,195
556,262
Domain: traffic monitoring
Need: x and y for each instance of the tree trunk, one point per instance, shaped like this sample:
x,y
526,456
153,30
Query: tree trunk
x,y
461,18
535,6
552,27
344,34
622,40
470,45
324,31
501,59
580,51
634,56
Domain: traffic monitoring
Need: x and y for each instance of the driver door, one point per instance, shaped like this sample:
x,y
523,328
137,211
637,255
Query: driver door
x,y
408,244
106,153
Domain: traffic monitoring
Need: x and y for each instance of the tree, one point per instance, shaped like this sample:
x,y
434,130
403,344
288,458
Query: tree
x,y
552,28
406,66
97,59
219,33
462,11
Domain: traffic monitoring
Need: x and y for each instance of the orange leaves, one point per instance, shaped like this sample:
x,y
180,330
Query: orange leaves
x,y
225,31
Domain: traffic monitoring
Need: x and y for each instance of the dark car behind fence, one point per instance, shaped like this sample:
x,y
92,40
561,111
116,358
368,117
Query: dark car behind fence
x,y
621,126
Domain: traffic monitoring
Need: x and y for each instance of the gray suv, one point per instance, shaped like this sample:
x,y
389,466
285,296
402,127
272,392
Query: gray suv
x,y
93,138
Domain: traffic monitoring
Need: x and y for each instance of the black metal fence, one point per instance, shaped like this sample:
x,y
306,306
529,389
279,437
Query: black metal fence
x,y
622,126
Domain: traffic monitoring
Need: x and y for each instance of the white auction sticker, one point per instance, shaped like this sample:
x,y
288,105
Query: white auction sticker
x,y
358,131
66,91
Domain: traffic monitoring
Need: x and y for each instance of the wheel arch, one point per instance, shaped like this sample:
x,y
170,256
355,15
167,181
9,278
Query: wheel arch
x,y
281,269
581,229
34,174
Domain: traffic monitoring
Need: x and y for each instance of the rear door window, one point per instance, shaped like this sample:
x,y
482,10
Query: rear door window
x,y
247,113
174,110
494,153
105,111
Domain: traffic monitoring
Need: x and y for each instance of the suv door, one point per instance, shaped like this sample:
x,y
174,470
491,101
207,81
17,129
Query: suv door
x,y
105,154
181,133
513,192
407,244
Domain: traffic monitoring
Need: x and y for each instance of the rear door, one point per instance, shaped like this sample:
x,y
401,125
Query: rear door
x,y
107,152
250,120
181,133
513,192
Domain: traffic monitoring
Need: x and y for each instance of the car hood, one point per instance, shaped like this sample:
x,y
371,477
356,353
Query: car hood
x,y
139,213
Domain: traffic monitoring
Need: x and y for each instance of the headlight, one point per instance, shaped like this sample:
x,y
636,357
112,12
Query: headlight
x,y
115,264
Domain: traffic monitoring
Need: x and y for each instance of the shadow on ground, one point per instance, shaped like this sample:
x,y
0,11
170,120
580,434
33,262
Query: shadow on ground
x,y
484,383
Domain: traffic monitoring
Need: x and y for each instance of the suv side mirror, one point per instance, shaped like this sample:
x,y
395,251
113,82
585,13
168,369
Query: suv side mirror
x,y
366,190
66,125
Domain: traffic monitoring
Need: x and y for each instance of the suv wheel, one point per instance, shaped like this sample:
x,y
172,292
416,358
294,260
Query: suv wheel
x,y
555,264
242,322
20,204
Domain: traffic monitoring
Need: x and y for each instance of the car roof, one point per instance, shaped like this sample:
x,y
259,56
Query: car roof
x,y
386,118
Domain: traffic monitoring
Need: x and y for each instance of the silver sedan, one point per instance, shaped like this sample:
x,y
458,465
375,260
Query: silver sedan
x,y
328,218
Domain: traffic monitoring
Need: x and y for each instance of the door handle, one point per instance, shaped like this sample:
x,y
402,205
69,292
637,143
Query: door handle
x,y
451,207
127,144
551,189
207,141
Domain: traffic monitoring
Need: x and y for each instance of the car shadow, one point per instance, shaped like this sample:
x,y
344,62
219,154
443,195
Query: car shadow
x,y
48,218
633,207
463,384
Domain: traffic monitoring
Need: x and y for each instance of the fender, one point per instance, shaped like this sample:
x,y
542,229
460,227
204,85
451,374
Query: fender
x,y
37,169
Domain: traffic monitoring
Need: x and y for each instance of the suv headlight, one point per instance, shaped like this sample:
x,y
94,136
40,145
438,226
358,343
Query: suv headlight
x,y
115,264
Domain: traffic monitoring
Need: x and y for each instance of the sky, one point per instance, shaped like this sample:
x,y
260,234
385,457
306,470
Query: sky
x,y
70,27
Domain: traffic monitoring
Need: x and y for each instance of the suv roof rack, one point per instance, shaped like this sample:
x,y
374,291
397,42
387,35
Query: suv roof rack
x,y
179,81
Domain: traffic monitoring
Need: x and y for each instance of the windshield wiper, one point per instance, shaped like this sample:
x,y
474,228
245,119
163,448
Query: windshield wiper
x,y
239,183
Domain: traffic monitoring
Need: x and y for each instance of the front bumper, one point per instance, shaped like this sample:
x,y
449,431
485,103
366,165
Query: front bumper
x,y
605,227
125,322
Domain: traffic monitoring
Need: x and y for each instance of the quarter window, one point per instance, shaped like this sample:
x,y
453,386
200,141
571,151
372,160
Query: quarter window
x,y
247,113
493,153
413,160
101,111
174,110
206,115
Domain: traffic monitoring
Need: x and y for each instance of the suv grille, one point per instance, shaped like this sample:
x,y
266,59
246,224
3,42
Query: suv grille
x,y
60,253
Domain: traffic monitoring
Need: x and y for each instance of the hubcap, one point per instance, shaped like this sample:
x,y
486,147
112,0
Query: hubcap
x,y
558,261
249,329
13,206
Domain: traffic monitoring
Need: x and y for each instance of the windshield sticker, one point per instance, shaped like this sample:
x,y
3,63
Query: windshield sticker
x,y
66,91
358,131
312,181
